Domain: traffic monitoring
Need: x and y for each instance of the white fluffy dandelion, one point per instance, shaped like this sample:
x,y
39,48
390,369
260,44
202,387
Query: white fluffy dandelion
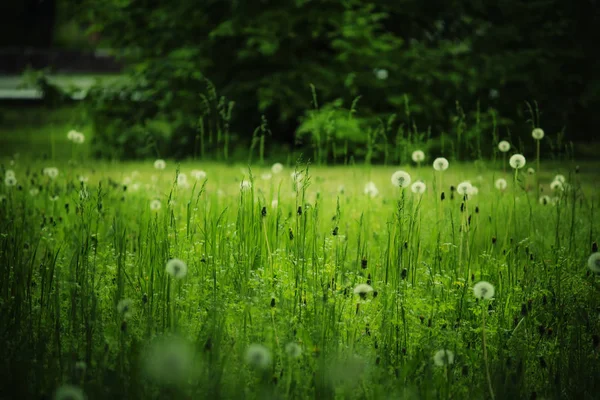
x,y
463,188
34,191
274,203
169,361
501,184
517,161
381,74
155,205
371,189
483,290
50,172
401,179
594,262
258,356
245,185
176,268
9,172
266,176
537,134
293,350
557,185
530,171
473,191
363,290
560,178
443,357
545,200
198,174
418,187
69,392
440,164
160,164
418,156
78,138
10,181
504,146
277,168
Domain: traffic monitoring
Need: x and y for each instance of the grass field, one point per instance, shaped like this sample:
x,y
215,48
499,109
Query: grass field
x,y
200,280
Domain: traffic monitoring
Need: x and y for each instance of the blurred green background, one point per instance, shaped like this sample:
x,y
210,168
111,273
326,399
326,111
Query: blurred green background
x,y
331,79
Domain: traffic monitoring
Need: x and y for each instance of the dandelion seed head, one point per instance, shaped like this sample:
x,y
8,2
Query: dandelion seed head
x,y
517,161
530,171
34,191
54,198
276,168
545,200
293,350
10,181
245,185
560,178
371,189
483,290
418,156
69,392
401,179
258,356
381,74
168,361
557,185
463,188
155,205
504,146
198,174
537,133
440,164
594,262
9,172
473,191
176,268
341,189
266,176
363,290
125,308
274,203
160,164
443,357
78,138
182,180
50,172
418,187
501,184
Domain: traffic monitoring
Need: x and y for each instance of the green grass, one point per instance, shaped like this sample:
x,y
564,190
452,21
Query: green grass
x,y
259,274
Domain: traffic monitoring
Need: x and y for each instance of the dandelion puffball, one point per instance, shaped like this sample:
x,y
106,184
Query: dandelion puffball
x,y
182,179
530,171
258,356
245,185
401,179
9,172
501,184
517,161
537,133
545,200
10,181
556,185
381,74
440,164
277,168
266,176
473,191
464,188
363,290
371,189
124,308
34,191
50,172
274,203
168,361
176,268
418,156
293,350
69,392
504,146
198,174
560,178
418,187
483,290
443,357
155,205
160,164
594,262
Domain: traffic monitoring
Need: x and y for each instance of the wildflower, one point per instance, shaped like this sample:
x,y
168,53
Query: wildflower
x,y
537,133
544,200
124,308
50,172
363,290
517,161
258,356
594,262
10,181
483,290
501,184
169,361
69,392
381,74
556,185
443,357
160,164
530,171
418,156
418,187
464,188
176,268
560,178
274,203
371,189
293,350
155,205
34,191
504,146
401,179
245,185
277,168
266,176
198,174
440,164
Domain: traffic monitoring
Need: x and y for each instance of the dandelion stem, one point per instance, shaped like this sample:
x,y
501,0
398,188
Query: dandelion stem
x,y
485,359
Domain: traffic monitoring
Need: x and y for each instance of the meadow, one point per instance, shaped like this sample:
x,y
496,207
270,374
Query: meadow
x,y
192,279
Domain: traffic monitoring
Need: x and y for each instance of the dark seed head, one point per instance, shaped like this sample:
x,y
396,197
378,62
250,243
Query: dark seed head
x,y
273,302
263,212
442,196
363,263
299,212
